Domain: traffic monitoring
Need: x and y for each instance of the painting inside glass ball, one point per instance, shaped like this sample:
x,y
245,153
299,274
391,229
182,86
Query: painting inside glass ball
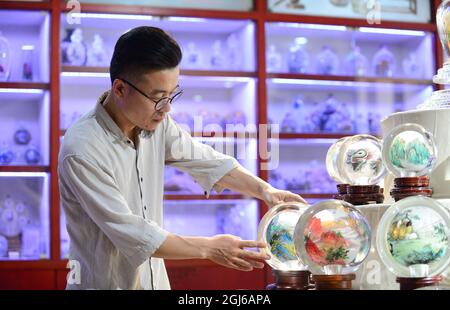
x,y
22,136
277,231
361,161
334,240
411,151
417,235
280,234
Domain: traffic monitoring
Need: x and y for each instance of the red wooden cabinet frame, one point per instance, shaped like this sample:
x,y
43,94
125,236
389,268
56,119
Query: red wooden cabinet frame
x,y
51,274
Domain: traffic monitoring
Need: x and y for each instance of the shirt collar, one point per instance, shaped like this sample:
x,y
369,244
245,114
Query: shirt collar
x,y
108,123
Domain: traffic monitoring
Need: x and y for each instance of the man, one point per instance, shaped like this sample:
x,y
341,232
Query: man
x,y
111,167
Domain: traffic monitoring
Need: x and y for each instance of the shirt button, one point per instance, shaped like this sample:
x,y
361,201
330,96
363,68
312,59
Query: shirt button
x,y
142,179
145,207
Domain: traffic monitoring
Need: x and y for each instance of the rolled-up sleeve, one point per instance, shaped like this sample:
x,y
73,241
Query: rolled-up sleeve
x,y
204,164
97,193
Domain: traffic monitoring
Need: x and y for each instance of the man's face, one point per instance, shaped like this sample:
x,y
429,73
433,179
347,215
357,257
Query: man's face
x,y
138,109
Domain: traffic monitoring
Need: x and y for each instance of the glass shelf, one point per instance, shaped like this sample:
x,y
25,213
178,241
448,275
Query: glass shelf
x,y
334,109
225,93
194,216
179,184
207,44
27,34
24,216
299,166
209,217
411,50
24,119
417,11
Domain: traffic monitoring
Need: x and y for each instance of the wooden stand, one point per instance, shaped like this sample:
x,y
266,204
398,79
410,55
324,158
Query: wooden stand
x,y
364,194
414,283
290,280
342,190
333,282
411,186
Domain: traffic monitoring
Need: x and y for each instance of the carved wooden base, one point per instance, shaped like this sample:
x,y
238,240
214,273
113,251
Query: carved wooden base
x,y
411,186
290,280
342,190
333,282
364,194
414,283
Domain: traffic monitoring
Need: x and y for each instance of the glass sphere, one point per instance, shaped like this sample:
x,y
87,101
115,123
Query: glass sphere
x,y
412,237
360,160
332,237
443,25
409,151
276,229
332,160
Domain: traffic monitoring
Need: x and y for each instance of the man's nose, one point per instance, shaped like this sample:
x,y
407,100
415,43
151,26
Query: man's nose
x,y
166,108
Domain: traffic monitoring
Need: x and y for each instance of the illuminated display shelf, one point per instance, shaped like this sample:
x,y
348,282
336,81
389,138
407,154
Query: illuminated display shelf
x,y
52,272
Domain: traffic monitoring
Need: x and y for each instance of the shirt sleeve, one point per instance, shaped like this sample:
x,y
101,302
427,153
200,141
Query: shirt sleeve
x,y
97,193
204,164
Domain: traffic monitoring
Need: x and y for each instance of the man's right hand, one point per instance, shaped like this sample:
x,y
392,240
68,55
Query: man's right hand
x,y
229,251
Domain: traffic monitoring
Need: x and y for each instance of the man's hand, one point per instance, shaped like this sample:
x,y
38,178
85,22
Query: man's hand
x,y
228,251
273,196
243,181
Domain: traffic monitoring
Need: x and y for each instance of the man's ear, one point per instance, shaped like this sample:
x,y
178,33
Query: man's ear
x,y
118,88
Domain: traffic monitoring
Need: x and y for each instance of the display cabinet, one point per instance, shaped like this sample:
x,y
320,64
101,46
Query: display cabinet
x,y
312,77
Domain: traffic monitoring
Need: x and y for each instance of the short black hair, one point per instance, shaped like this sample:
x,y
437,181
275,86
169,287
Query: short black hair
x,y
144,49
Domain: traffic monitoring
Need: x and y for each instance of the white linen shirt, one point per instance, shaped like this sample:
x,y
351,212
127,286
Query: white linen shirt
x,y
112,194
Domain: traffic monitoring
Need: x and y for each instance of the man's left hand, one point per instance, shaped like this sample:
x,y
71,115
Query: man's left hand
x,y
273,197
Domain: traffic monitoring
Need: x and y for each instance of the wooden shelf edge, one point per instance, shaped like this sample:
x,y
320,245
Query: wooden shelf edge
x,y
199,73
214,73
25,85
162,11
32,264
291,136
344,78
24,169
224,135
15,5
315,196
350,22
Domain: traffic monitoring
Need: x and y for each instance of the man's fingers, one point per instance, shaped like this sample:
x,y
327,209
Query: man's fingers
x,y
296,197
250,255
251,244
242,264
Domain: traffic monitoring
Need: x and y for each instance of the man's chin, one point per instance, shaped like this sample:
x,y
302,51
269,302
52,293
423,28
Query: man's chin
x,y
152,125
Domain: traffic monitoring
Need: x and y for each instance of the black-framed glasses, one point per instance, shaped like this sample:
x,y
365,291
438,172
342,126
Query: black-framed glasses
x,y
161,103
